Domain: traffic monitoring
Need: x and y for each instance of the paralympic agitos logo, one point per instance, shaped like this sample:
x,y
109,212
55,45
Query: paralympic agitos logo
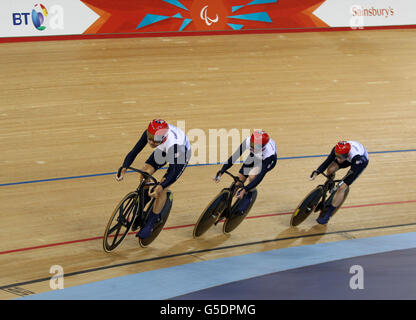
x,y
41,17
208,20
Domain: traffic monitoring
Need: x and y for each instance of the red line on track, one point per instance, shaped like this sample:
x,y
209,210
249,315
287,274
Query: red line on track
x,y
191,225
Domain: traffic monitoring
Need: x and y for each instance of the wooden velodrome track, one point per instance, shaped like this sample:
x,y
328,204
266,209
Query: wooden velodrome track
x,y
75,108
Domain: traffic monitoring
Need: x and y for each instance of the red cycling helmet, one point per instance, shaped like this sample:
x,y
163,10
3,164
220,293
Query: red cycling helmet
x,y
259,137
342,149
157,130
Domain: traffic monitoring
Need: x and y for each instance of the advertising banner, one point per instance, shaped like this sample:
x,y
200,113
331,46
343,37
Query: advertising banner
x,y
28,18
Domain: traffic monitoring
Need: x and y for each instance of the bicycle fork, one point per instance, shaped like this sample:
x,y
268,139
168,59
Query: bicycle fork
x,y
221,213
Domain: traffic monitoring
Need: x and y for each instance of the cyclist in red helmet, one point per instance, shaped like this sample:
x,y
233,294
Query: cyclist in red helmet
x,y
171,146
344,154
262,159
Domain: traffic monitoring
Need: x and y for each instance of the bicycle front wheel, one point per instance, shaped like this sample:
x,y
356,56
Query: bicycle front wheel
x,y
306,207
120,222
211,213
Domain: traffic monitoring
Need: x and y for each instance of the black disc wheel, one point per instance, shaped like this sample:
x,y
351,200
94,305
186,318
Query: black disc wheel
x,y
306,207
236,218
329,201
159,225
211,213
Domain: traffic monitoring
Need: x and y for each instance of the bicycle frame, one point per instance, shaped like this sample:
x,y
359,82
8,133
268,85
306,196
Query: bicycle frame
x,y
232,189
331,185
141,189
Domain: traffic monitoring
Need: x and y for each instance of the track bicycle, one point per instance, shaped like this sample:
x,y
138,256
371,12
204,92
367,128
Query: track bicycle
x,y
222,207
318,199
132,213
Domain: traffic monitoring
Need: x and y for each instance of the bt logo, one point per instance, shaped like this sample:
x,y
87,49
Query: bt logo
x,y
39,17
39,14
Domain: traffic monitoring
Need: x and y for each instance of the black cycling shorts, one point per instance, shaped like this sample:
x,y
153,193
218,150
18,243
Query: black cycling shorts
x,y
356,169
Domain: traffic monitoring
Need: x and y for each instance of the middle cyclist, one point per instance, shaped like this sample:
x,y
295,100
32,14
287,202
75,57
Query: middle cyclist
x,y
262,159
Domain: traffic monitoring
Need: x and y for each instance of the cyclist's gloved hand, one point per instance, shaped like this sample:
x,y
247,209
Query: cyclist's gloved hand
x,y
218,176
120,173
241,193
314,174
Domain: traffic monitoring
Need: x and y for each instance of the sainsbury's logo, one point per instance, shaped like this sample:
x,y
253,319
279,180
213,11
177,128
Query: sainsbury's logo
x,y
359,11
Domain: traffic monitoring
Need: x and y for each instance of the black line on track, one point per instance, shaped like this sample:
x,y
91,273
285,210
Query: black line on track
x,y
204,250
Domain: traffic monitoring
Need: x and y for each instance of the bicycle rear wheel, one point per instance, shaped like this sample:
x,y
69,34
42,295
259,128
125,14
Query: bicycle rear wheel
x,y
306,207
120,222
329,201
234,219
211,213
159,226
